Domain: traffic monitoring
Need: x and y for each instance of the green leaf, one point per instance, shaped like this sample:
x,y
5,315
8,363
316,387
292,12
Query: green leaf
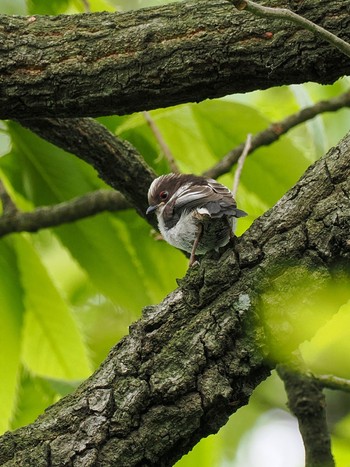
x,y
324,353
207,453
341,451
269,172
5,140
43,7
52,343
181,133
11,317
34,396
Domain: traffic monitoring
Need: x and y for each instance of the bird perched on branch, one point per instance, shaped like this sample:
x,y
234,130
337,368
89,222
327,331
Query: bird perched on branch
x,y
195,214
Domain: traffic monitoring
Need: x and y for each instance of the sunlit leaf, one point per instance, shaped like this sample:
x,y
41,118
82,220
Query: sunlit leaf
x,y
34,396
325,352
269,172
52,343
11,318
341,451
42,7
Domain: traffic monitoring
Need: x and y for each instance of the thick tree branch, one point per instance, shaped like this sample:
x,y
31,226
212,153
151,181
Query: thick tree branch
x,y
308,404
117,162
69,211
276,130
103,63
194,359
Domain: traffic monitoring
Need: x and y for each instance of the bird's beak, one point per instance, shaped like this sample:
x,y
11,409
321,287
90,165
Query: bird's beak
x,y
151,208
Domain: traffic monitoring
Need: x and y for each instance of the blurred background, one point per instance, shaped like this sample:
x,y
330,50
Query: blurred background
x,y
68,294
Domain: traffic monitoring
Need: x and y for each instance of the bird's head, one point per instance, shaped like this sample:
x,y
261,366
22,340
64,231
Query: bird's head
x,y
162,190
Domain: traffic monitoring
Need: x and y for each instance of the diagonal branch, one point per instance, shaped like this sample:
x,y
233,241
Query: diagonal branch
x,y
240,164
194,359
69,211
117,162
276,130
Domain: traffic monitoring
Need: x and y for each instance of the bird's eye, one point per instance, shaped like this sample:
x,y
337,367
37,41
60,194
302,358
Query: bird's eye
x,y
163,195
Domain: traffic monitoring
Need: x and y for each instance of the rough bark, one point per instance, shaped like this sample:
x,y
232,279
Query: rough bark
x,y
308,403
116,161
69,211
193,360
102,63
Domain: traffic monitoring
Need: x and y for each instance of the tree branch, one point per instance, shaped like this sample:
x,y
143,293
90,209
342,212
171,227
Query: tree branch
x,y
240,164
276,130
194,359
8,206
117,162
104,63
86,4
164,147
333,382
308,404
288,15
69,211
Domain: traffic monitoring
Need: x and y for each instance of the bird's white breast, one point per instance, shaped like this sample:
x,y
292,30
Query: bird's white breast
x,y
184,232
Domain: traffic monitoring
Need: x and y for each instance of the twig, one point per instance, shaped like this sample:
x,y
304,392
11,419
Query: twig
x,y
307,402
164,147
285,14
8,206
69,211
333,382
276,130
86,4
240,164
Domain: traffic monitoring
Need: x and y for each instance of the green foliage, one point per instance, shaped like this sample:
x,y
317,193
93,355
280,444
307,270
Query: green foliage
x,y
53,7
68,294
11,319
48,323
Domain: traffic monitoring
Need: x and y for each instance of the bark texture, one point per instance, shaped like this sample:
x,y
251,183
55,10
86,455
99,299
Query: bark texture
x,y
193,360
116,161
102,63
308,403
69,211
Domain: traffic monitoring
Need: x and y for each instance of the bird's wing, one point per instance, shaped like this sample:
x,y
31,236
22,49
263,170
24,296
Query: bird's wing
x,y
211,197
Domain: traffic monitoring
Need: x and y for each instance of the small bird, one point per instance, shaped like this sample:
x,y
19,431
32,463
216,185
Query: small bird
x,y
195,214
